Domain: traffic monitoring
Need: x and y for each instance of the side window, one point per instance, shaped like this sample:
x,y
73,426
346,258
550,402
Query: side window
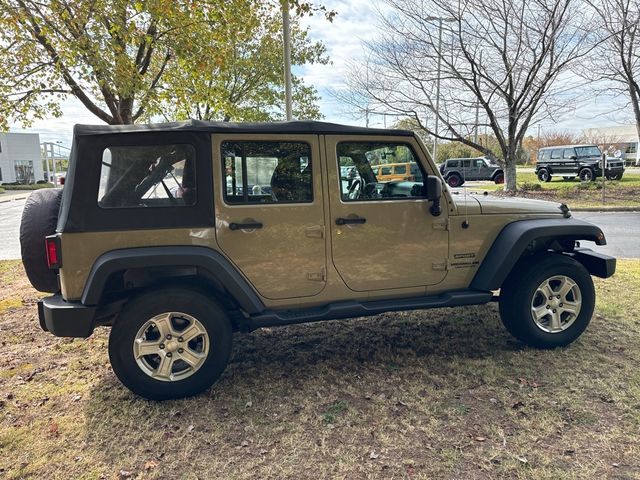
x,y
364,184
479,163
545,154
466,163
147,176
400,169
555,154
453,164
568,153
267,172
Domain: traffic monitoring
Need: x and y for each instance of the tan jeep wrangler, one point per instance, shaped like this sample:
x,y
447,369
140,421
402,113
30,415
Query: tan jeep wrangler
x,y
177,235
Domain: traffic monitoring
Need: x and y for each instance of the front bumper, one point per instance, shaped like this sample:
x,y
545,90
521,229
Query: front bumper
x,y
596,263
66,319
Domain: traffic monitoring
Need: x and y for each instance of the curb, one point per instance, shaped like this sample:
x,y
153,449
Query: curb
x,y
14,197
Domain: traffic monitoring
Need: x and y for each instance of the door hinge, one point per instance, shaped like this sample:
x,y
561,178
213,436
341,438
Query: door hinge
x,y
316,231
440,266
441,224
316,276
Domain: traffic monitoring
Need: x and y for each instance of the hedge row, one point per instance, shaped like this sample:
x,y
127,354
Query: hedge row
x,y
36,186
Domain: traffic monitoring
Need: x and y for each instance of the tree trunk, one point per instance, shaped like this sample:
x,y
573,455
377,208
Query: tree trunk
x,y
510,175
635,103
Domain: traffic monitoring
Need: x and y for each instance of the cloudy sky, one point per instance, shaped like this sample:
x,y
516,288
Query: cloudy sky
x,y
355,23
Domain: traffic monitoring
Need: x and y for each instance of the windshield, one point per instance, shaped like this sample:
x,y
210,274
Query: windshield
x,y
592,151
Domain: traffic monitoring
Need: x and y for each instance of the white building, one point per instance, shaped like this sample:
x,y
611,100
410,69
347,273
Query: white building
x,y
20,159
623,138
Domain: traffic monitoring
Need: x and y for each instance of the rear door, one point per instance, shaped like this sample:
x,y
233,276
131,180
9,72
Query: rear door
x,y
269,211
382,233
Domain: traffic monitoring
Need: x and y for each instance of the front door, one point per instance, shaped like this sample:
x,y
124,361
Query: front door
x,y
269,211
383,235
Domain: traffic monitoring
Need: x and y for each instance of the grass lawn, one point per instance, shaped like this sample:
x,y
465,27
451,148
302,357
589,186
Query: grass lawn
x,y
444,393
625,192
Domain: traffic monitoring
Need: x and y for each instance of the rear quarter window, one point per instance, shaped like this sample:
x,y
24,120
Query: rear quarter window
x,y
147,176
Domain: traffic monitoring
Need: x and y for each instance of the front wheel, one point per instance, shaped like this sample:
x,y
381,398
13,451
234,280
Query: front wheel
x,y
170,343
547,301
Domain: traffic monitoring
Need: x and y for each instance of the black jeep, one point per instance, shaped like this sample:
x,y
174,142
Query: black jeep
x,y
570,161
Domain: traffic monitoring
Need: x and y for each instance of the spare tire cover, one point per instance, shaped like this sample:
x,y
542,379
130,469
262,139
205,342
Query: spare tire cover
x,y
39,219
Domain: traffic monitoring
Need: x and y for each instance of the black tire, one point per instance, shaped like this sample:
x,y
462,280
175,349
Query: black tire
x,y
520,287
568,179
454,180
498,178
544,175
139,311
586,175
39,219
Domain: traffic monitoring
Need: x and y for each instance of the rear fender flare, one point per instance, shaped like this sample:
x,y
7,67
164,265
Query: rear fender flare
x,y
172,256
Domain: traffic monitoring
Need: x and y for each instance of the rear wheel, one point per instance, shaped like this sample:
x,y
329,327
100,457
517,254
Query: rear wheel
x,y
171,342
544,175
499,178
547,301
586,175
454,180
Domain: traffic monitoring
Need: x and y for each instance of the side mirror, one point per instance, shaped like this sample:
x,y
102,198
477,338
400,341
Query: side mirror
x,y
433,188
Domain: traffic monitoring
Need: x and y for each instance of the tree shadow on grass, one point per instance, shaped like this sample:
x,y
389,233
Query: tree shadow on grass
x,y
287,378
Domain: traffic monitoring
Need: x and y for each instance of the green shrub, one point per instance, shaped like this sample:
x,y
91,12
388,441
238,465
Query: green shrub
x,y
36,186
530,186
1,190
589,185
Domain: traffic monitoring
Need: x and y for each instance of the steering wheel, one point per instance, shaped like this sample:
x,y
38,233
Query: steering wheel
x,y
354,189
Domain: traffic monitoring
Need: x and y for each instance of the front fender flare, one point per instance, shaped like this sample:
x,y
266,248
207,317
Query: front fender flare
x,y
514,238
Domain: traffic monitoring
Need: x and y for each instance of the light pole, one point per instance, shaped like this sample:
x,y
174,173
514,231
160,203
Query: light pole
x,y
286,38
435,131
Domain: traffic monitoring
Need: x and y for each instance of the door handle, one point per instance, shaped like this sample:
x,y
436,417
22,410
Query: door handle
x,y
244,226
350,221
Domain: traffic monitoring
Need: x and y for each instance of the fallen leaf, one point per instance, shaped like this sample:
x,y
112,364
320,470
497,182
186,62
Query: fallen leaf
x,y
480,439
373,455
150,465
517,405
125,474
522,459
249,404
54,430
190,428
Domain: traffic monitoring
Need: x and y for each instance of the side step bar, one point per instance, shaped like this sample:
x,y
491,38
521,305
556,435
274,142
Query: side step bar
x,y
350,309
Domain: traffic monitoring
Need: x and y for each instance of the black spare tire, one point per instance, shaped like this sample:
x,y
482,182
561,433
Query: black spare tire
x,y
39,219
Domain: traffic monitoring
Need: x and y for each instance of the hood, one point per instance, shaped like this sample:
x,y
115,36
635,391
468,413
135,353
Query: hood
x,y
490,204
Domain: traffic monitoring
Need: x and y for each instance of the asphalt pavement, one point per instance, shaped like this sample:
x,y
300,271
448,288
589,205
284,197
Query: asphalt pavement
x,y
622,230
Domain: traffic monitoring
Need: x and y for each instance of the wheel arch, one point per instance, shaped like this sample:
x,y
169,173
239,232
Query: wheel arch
x,y
207,266
520,237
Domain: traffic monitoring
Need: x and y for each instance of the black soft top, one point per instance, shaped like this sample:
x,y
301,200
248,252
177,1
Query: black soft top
x,y
299,127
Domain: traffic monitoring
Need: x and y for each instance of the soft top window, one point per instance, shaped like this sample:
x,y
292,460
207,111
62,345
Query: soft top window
x,y
147,176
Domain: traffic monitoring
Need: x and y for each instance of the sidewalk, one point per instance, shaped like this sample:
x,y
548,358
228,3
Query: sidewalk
x,y
9,196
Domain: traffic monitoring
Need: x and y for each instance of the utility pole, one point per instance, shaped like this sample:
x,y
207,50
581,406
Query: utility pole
x,y
435,131
478,105
286,38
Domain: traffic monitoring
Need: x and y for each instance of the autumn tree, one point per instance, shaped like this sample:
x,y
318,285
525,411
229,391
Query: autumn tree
x,y
117,57
244,81
504,59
